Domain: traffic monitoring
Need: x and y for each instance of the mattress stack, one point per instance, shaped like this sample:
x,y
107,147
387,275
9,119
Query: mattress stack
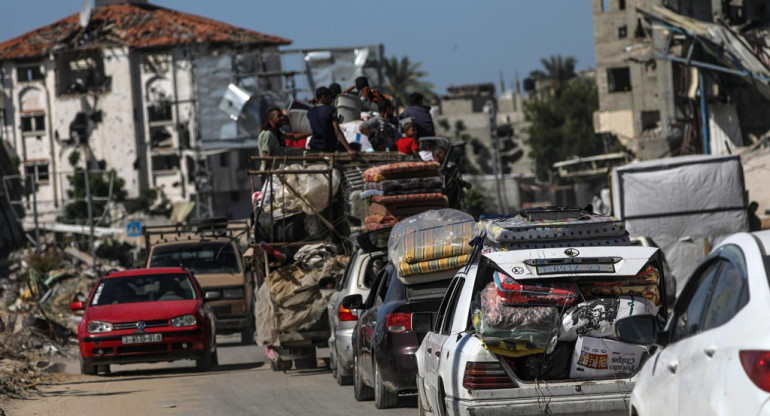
x,y
584,230
432,245
400,190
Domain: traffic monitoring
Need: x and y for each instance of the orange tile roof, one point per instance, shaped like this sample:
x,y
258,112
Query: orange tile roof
x,y
133,25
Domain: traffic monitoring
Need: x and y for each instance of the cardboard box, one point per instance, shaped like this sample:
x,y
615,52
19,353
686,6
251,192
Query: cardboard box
x,y
600,358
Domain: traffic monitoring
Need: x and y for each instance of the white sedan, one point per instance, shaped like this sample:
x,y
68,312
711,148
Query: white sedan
x,y
457,375
713,356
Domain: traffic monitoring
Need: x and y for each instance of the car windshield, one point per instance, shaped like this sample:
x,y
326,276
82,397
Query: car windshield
x,y
146,288
201,258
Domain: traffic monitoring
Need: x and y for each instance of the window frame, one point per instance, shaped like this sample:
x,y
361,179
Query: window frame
x,y
733,255
34,118
687,294
451,307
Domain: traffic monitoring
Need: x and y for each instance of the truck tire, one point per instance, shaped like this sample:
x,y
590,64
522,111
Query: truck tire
x,y
361,391
383,399
103,370
309,362
247,334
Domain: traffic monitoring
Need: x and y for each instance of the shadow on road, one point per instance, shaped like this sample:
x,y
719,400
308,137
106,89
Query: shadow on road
x,y
81,393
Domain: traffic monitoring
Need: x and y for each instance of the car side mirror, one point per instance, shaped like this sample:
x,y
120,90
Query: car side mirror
x,y
422,321
77,306
353,301
212,295
327,283
639,329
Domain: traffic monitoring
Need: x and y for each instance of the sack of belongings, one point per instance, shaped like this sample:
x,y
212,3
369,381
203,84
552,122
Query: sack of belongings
x,y
596,317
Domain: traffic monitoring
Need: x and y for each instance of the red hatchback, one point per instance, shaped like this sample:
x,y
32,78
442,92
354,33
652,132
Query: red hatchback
x,y
143,316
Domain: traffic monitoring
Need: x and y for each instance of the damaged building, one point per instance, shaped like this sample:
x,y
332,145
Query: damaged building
x,y
679,77
135,88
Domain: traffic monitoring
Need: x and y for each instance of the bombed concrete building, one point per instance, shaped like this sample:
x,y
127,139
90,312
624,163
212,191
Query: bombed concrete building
x,y
678,77
134,88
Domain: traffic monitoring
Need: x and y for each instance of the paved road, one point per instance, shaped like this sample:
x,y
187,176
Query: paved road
x,y
242,385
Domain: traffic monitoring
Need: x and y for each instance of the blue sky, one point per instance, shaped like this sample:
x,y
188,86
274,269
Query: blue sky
x,y
457,41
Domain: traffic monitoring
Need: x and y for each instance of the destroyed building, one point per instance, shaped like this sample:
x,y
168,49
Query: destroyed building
x,y
678,77
135,88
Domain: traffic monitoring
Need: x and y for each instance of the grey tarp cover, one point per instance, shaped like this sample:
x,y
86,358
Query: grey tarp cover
x,y
679,203
289,300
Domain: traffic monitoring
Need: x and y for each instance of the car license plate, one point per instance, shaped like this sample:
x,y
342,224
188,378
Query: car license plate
x,y
142,339
576,268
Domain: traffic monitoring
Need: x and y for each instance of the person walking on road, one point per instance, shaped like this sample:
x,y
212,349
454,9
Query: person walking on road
x,y
420,115
327,135
755,224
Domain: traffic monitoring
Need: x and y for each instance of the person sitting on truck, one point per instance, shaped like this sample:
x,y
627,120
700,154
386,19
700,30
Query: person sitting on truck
x,y
420,114
323,122
407,145
370,97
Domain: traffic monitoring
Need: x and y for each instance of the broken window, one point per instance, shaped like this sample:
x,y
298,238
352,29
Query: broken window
x,y
81,72
165,162
29,73
160,137
79,128
622,4
623,32
224,159
159,112
33,123
650,120
639,32
618,79
38,170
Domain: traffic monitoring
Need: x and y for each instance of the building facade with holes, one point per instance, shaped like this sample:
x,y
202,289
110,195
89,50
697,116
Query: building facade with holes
x,y
134,88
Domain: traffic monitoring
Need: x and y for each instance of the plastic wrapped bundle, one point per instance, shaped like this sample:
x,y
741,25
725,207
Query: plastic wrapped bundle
x,y
431,235
534,324
596,318
513,293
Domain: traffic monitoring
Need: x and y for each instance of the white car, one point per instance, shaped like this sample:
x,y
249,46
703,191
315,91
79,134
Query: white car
x,y
457,375
713,356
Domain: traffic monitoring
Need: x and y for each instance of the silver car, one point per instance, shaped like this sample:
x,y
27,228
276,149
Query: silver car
x,y
359,275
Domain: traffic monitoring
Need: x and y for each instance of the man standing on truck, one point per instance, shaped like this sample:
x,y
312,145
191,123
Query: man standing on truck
x,y
269,139
324,124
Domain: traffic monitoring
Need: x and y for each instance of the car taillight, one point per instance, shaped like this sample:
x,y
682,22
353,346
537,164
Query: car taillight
x,y
345,314
757,367
398,322
486,375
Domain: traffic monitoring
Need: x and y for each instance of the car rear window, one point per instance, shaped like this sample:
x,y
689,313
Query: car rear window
x,y
425,291
145,288
203,258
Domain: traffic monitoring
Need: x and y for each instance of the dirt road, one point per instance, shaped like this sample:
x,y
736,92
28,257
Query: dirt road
x,y
242,385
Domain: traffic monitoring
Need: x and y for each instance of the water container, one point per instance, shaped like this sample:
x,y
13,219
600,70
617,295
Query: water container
x,y
348,107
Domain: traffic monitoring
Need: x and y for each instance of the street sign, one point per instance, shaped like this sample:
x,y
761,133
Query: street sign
x,y
134,229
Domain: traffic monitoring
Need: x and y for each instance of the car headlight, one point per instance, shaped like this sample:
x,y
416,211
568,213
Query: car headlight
x,y
184,320
232,293
96,327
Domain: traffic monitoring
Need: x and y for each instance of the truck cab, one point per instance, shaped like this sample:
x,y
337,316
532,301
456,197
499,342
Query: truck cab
x,y
213,254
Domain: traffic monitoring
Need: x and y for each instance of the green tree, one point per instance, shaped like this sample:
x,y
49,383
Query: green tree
x,y
100,188
475,203
557,72
562,125
404,77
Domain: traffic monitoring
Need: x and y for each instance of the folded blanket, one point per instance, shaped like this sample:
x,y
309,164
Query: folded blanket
x,y
402,211
401,170
376,192
441,265
436,243
519,229
401,199
648,277
406,185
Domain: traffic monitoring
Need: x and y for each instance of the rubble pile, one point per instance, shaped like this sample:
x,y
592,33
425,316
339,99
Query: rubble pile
x,y
37,329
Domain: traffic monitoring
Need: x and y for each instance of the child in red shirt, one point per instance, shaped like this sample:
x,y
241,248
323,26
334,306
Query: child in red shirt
x,y
407,144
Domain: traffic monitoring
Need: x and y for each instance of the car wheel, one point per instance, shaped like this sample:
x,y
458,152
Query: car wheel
x,y
309,362
87,369
383,399
103,370
361,391
215,358
206,362
341,380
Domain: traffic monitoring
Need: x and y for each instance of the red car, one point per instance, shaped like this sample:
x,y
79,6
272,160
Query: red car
x,y
144,316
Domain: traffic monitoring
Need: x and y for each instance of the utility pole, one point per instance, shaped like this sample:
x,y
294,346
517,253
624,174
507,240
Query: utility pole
x,y
90,216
